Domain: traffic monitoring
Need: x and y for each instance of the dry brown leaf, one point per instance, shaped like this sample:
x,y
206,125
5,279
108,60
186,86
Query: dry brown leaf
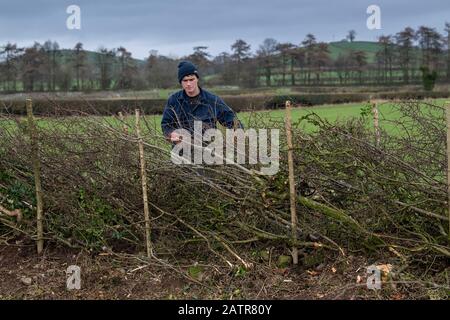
x,y
385,269
358,279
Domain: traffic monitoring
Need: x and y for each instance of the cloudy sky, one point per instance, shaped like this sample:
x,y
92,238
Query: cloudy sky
x,y
173,27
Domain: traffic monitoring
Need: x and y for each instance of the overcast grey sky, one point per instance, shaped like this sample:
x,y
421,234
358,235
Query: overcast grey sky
x,y
173,27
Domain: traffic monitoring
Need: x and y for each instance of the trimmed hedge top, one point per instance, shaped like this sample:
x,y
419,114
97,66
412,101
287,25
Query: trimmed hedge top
x,y
237,103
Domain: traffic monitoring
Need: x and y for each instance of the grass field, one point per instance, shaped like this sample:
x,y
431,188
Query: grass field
x,y
330,113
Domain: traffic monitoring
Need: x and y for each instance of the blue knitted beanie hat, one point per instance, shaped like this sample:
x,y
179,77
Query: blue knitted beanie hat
x,y
186,68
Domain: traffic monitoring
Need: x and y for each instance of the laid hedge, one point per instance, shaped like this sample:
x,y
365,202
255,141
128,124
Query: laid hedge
x,y
100,107
237,103
413,95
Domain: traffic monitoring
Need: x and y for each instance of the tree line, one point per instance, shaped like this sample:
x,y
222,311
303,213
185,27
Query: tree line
x,y
407,57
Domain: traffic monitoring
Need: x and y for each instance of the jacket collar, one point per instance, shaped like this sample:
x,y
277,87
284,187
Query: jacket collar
x,y
183,96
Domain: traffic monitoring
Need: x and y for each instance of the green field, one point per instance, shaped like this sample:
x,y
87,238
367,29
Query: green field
x,y
331,113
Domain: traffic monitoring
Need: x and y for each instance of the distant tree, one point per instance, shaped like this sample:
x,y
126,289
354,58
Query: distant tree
x,y
32,67
79,64
52,63
320,59
200,57
428,78
265,56
309,45
285,59
90,76
351,35
385,56
405,44
431,43
299,54
150,68
249,78
360,62
241,52
447,29
342,66
105,62
65,77
10,66
127,69
225,66
297,57
160,70
219,61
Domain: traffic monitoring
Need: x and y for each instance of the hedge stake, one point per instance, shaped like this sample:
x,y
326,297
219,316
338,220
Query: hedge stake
x,y
144,185
37,175
293,197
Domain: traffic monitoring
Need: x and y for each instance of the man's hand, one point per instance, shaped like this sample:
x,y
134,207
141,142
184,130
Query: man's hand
x,y
175,137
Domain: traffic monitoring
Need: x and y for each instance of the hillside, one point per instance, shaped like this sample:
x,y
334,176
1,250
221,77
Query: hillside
x,y
92,57
336,48
342,47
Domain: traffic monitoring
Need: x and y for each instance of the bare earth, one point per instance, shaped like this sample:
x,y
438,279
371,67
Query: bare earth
x,y
23,275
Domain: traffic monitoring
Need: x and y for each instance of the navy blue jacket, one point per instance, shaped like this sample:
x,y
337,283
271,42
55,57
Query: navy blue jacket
x,y
180,114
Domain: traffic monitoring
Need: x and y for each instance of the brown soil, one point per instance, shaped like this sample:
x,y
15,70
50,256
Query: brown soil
x,y
107,276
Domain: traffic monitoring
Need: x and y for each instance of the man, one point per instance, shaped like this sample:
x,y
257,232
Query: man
x,y
194,104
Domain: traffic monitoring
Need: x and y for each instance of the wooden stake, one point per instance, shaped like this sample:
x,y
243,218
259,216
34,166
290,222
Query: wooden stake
x,y
37,176
447,109
293,197
376,124
144,185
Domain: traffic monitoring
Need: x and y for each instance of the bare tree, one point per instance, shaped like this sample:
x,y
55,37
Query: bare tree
x,y
79,64
225,66
52,63
32,67
342,67
200,57
405,42
249,78
284,49
127,69
296,55
309,44
360,62
320,59
65,77
265,55
160,70
241,52
447,29
9,68
431,43
351,35
385,56
105,60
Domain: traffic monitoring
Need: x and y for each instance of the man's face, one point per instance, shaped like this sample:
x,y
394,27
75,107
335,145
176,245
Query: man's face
x,y
190,85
